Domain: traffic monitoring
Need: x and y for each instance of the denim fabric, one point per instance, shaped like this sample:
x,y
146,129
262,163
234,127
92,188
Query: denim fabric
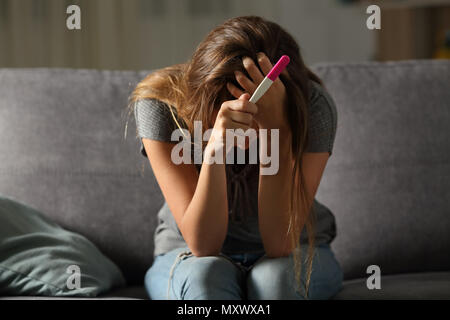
x,y
180,275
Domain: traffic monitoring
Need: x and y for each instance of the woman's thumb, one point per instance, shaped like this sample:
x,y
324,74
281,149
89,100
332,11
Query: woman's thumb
x,y
244,96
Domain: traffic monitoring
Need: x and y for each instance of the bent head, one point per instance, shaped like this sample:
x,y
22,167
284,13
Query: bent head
x,y
220,54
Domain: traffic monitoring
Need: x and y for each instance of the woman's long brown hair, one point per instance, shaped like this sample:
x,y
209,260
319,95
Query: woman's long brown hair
x,y
198,87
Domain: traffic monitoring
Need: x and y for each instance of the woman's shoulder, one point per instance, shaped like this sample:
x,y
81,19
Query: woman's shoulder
x,y
155,119
322,119
320,96
152,108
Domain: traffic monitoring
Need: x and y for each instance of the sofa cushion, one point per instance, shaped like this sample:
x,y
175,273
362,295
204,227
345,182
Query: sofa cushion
x,y
133,292
388,180
38,257
125,293
423,286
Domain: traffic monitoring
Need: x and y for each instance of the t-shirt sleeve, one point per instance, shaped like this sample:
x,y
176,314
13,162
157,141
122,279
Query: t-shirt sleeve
x,y
154,121
322,121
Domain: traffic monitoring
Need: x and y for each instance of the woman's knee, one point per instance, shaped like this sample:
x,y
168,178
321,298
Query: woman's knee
x,y
156,277
211,277
275,278
271,278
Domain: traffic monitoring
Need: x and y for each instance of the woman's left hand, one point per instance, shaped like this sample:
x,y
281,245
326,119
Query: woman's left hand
x,y
272,113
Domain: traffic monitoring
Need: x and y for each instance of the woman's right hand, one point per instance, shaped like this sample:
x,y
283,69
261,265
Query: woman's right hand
x,y
233,114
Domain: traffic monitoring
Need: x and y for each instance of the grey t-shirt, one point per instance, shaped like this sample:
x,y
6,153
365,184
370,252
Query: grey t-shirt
x,y
155,121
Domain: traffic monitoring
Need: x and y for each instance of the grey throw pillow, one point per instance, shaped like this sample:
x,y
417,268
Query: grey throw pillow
x,y
38,257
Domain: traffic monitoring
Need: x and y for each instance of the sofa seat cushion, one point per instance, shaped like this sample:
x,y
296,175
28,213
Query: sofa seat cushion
x,y
130,292
423,286
125,293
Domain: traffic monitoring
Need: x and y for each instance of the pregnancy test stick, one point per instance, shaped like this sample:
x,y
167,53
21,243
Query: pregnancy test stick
x,y
270,78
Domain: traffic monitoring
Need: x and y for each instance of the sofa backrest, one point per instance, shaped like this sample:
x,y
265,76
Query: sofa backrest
x,y
388,180
63,151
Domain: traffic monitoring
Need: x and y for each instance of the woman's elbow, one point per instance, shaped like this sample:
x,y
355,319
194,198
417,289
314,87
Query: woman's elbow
x,y
205,252
203,248
277,254
278,250
203,244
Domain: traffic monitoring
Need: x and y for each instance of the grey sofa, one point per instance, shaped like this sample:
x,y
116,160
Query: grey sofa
x,y
63,151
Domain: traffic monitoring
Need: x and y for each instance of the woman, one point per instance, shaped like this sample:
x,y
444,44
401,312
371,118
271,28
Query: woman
x,y
226,231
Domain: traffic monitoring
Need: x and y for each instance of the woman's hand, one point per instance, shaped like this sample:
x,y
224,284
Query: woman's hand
x,y
272,113
236,114
233,114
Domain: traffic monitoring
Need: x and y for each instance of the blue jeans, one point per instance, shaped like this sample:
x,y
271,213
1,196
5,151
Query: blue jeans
x,y
180,275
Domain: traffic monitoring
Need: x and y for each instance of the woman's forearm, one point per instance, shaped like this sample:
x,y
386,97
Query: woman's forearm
x,y
205,221
274,199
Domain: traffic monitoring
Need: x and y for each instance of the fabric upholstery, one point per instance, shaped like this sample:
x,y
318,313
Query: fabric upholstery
x,y
36,256
126,293
410,286
63,152
388,181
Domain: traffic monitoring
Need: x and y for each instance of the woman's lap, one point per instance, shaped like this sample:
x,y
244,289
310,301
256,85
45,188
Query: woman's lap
x,y
216,277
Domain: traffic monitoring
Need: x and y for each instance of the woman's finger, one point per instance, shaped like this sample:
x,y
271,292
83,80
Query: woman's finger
x,y
264,63
239,105
245,82
235,91
242,118
252,70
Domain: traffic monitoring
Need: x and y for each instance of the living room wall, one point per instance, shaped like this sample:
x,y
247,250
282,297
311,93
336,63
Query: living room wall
x,y
146,34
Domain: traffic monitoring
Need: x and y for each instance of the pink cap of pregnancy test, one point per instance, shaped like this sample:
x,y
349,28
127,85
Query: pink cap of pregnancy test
x,y
278,68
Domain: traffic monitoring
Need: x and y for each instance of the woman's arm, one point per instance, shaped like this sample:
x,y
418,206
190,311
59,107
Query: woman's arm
x,y
274,190
199,201
274,197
